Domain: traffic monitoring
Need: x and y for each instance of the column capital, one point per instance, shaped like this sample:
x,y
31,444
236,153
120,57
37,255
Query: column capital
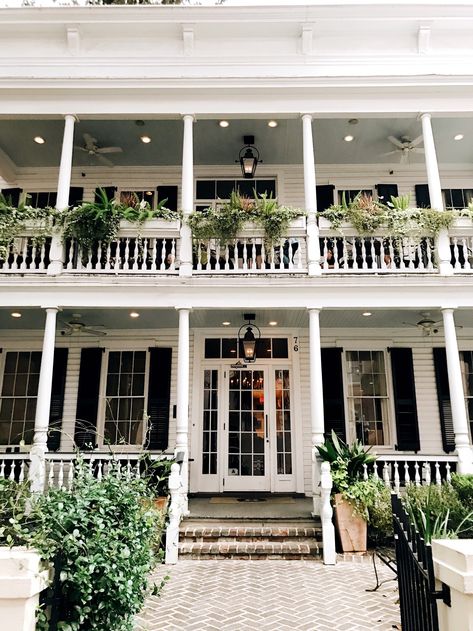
x,y
448,309
314,309
183,308
186,117
424,115
73,117
51,308
306,116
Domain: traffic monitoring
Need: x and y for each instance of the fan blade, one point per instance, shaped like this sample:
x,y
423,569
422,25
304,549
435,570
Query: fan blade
x,y
105,161
89,140
417,150
389,153
397,143
81,148
90,331
404,157
410,324
110,150
416,141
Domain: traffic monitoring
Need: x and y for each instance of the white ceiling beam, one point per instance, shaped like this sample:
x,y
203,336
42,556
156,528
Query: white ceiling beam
x,y
7,168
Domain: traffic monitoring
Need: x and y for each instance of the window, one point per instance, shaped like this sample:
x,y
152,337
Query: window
x,y
41,199
133,198
125,403
368,396
18,400
350,194
208,191
466,358
269,348
210,420
457,197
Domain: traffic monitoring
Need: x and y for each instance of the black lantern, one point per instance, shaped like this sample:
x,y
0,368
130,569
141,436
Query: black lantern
x,y
248,157
249,340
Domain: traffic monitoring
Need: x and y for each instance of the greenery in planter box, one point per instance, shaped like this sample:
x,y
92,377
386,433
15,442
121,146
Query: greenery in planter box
x,y
400,219
103,538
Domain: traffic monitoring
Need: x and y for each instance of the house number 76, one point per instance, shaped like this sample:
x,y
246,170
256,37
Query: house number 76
x,y
296,344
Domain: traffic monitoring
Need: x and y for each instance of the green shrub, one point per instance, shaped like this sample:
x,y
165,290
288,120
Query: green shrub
x,y
372,500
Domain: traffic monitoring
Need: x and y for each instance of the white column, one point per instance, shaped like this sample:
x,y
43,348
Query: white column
x,y
37,471
187,194
316,402
310,195
183,372
63,187
435,192
457,398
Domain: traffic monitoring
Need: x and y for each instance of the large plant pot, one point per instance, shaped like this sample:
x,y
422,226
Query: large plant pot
x,y
352,529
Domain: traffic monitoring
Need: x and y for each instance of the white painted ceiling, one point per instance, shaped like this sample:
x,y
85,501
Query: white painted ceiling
x,y
215,145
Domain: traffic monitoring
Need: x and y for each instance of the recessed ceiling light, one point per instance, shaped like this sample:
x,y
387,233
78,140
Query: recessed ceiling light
x,y
39,140
226,323
366,313
272,323
15,314
272,123
145,139
134,314
149,193
349,138
224,124
458,137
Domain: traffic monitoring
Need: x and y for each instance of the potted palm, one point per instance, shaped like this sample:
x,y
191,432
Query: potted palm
x,y
350,498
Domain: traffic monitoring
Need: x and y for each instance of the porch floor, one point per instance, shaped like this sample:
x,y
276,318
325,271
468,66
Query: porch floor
x,y
243,507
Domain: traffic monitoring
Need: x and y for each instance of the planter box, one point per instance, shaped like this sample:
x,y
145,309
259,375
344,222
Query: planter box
x,y
150,228
352,529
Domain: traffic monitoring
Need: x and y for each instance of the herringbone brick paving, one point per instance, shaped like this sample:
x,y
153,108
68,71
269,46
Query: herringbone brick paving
x,y
271,596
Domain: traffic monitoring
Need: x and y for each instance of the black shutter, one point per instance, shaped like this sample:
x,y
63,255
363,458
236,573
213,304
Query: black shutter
x,y
76,195
57,398
159,397
85,433
109,191
332,378
12,195
324,194
443,396
405,405
386,191
168,193
422,196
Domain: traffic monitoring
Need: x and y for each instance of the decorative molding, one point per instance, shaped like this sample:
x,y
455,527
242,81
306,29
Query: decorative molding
x,y
188,39
73,40
307,36
423,39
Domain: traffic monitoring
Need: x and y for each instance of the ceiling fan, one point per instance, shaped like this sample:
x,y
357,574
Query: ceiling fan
x,y
95,151
426,324
405,146
75,326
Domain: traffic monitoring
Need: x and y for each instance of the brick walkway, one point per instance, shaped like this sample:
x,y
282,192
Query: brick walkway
x,y
271,596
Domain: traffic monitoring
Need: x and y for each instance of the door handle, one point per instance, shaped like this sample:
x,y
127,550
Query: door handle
x,y
266,428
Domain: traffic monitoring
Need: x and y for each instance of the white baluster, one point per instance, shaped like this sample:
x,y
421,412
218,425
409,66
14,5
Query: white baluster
x,y
128,470
438,477
428,253
108,255
162,265
420,257
60,477
218,246
51,474
464,245
126,262
99,469
227,256
2,469
364,263
11,477
172,265
117,261
397,480
209,255
144,255
21,477
416,473
98,265
89,260
137,470
427,476
387,475
136,255
70,475
456,257
375,471
365,471
245,255
407,477
152,250
448,475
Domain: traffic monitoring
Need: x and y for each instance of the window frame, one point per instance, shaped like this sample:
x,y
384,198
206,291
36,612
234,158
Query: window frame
x,y
201,202
141,192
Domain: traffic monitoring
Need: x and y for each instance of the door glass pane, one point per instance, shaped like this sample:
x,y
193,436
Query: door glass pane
x,y
283,422
209,437
246,438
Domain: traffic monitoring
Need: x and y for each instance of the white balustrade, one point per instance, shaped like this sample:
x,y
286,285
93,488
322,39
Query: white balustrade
x,y
399,471
461,245
26,254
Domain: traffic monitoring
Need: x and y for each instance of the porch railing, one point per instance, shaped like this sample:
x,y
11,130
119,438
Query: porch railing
x,y
399,471
27,255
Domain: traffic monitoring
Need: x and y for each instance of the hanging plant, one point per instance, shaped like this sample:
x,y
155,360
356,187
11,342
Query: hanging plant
x,y
274,218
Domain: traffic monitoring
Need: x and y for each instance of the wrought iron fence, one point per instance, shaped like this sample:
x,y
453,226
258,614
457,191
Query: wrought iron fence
x,y
415,569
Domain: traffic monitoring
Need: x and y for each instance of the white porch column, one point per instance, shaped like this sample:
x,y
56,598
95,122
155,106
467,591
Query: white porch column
x,y
187,193
37,471
63,186
183,372
457,397
435,192
316,401
310,195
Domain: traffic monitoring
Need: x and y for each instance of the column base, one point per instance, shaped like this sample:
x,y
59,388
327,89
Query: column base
x,y
55,268
446,268
185,269
465,460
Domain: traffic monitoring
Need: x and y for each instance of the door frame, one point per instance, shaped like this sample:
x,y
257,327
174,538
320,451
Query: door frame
x,y
200,483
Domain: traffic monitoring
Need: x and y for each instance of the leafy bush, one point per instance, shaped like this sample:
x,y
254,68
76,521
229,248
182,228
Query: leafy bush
x,y
103,538
372,500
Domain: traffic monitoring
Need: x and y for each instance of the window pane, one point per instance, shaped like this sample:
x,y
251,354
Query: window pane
x,y
205,189
212,348
280,348
224,189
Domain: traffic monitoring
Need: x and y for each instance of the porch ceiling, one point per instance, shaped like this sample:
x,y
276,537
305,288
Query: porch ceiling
x,y
214,145
152,319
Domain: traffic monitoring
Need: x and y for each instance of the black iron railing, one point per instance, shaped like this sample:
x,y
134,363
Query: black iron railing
x,y
415,569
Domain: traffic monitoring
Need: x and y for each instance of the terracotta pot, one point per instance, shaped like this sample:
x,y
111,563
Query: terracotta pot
x,y
352,529
161,503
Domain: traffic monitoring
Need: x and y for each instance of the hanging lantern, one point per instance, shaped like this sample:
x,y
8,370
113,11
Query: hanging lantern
x,y
249,340
248,157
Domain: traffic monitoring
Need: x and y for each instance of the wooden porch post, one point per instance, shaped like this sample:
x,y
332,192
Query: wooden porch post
x,y
316,401
63,188
187,202
37,471
435,193
183,372
310,195
457,397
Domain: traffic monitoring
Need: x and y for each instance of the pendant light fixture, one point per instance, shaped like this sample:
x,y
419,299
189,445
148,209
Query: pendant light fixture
x,y
248,338
248,157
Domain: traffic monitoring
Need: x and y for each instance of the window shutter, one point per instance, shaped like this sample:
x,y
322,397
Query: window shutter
x,y
109,191
324,196
170,194
76,195
386,191
405,404
422,196
159,397
443,396
334,401
57,398
12,195
85,433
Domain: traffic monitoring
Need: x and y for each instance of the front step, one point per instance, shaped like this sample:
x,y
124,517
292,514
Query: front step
x,y
250,540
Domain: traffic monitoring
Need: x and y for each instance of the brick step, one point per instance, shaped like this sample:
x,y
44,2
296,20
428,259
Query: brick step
x,y
246,533
307,549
